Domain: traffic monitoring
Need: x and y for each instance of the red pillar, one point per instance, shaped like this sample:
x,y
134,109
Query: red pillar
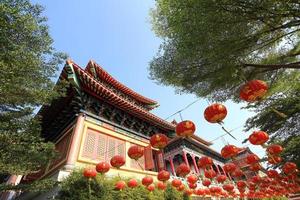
x,y
75,142
185,159
218,169
172,165
195,164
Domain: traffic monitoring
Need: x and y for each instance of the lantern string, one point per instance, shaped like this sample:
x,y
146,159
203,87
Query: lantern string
x,y
186,107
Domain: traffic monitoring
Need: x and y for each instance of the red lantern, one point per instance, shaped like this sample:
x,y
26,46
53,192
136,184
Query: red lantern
x,y
182,170
89,172
135,152
192,185
163,175
221,178
102,167
185,128
252,158
176,183
147,180
189,192
258,137
274,149
132,183
253,90
120,185
229,167
151,187
159,141
206,182
161,186
228,187
237,173
117,161
289,167
200,192
256,179
272,173
210,173
229,151
205,162
272,159
215,113
255,167
241,184
192,178
181,188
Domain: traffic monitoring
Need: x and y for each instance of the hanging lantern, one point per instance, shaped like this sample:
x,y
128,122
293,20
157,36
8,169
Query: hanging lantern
x,y
256,179
253,90
192,185
241,184
132,183
228,187
176,183
289,167
237,173
185,128
151,187
272,173
215,113
210,173
229,167
272,159
207,192
89,172
274,149
147,180
161,185
135,152
117,161
221,178
229,151
102,167
163,175
205,162
181,188
159,141
255,167
182,170
258,137
120,185
252,158
206,182
192,178
188,192
200,192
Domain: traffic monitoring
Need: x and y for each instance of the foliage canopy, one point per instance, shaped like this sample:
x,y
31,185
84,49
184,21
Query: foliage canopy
x,y
28,63
210,48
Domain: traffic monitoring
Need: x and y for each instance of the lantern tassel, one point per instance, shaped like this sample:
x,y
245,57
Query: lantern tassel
x,y
280,114
140,165
224,129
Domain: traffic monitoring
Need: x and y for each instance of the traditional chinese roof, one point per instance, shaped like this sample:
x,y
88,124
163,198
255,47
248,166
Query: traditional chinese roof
x,y
99,90
98,72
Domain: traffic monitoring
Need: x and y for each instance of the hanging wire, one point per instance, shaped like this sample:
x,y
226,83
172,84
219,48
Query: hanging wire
x,y
186,107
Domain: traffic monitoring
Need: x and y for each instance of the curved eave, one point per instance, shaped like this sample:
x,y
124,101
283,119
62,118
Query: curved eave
x,y
95,88
104,75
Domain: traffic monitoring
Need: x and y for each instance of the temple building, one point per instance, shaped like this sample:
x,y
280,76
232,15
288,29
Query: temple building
x,y
99,118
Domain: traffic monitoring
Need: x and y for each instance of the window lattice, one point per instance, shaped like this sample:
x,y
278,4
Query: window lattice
x,y
100,147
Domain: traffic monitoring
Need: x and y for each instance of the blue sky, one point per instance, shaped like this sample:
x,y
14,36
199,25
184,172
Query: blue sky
x,y
117,35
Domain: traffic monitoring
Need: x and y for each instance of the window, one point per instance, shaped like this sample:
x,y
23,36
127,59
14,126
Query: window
x,y
101,147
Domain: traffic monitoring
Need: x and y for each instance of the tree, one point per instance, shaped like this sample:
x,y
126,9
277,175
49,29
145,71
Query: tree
x,y
28,63
210,48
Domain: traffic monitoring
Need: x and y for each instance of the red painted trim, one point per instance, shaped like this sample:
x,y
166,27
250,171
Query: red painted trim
x,y
172,166
195,164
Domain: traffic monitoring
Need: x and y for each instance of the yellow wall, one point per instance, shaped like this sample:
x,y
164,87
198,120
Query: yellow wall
x,y
124,171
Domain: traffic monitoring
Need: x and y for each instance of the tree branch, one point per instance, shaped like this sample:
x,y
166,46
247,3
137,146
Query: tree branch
x,y
295,65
